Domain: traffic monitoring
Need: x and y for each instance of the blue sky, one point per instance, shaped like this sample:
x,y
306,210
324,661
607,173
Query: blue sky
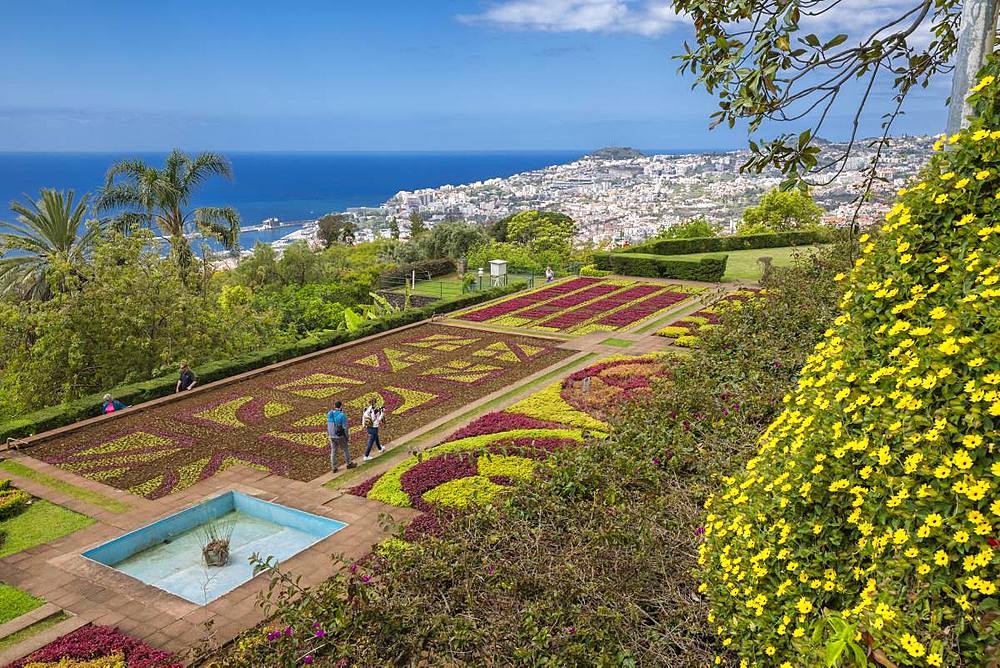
x,y
347,75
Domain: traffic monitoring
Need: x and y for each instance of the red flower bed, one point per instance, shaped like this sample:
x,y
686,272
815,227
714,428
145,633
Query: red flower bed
x,y
642,310
92,642
500,421
511,305
588,312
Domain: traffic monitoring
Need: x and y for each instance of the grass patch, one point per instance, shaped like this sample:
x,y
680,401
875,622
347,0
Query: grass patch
x,y
617,343
14,603
42,522
29,631
743,265
398,451
93,498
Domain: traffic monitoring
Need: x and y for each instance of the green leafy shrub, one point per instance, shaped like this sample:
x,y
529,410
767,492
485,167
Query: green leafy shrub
x,y
12,500
732,243
135,393
872,503
591,270
656,266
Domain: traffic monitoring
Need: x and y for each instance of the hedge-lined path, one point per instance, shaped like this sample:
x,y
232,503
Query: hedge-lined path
x,y
93,593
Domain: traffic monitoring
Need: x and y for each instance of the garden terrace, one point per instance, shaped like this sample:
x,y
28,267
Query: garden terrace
x,y
479,460
276,420
584,305
684,331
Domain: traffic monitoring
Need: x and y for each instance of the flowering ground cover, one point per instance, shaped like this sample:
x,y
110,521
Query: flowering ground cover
x,y
97,647
499,448
684,331
583,305
276,421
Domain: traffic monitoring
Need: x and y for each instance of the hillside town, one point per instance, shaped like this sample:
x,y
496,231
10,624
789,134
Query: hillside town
x,y
624,196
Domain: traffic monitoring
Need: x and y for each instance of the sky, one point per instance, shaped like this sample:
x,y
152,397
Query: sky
x,y
378,75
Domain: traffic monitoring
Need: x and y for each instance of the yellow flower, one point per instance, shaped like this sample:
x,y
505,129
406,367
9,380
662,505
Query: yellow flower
x,y
961,184
983,175
983,83
961,537
941,199
947,176
804,606
941,558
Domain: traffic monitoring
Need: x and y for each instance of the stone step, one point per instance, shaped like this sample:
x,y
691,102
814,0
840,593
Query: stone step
x,y
27,619
40,640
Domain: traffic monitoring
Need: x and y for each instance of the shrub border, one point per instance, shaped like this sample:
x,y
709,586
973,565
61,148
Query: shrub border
x,y
47,423
710,269
732,243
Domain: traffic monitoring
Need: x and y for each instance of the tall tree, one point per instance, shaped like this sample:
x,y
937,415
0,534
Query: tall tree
x,y
689,229
50,230
417,226
541,230
336,228
394,229
138,195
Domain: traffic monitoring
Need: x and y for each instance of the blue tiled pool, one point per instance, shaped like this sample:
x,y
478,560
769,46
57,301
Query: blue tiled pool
x,y
167,553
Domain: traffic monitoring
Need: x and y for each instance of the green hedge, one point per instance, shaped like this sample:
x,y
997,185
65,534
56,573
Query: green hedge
x,y
656,266
721,244
135,393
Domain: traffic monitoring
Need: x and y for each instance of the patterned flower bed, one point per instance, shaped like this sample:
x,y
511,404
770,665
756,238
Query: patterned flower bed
x,y
277,421
97,647
684,332
583,305
500,448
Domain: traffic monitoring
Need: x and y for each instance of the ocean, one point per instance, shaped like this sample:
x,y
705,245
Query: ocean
x,y
288,186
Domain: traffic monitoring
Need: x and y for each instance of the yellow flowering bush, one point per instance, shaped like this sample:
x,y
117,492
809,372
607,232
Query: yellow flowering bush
x,y
867,524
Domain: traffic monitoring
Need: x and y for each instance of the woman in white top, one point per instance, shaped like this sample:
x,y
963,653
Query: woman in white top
x,y
372,421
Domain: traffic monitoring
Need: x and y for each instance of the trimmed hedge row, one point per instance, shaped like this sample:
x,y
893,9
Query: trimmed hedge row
x,y
720,244
436,267
709,269
135,393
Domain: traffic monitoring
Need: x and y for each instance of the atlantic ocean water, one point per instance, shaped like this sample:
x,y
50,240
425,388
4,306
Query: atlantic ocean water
x,y
288,186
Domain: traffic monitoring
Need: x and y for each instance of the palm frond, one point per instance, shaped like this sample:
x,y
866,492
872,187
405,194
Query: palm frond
x,y
205,165
223,223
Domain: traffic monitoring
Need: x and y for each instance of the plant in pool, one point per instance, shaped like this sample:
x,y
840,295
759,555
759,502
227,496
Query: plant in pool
x,y
215,537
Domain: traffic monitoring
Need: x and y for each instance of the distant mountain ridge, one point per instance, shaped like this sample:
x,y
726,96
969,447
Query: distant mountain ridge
x,y
617,153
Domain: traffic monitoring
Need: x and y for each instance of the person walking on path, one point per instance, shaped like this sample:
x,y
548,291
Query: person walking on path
x,y
188,378
549,274
339,433
111,405
372,421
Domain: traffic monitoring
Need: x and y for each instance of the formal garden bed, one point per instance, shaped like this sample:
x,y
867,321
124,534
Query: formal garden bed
x,y
97,647
500,448
684,331
276,421
583,305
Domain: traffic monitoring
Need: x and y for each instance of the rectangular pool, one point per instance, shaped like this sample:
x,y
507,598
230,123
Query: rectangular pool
x,y
167,553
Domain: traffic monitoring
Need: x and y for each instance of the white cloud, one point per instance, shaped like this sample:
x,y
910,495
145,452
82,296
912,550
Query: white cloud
x,y
621,16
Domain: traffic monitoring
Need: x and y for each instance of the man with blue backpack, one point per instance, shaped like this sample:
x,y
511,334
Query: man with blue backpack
x,y
339,434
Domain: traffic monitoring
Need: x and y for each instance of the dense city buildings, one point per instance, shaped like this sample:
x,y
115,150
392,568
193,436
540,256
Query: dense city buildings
x,y
625,199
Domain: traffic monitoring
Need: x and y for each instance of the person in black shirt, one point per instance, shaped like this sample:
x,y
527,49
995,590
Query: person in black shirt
x,y
187,380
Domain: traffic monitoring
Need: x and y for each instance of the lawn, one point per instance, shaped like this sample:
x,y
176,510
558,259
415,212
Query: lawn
x,y
41,522
93,498
276,421
450,285
583,305
14,603
743,265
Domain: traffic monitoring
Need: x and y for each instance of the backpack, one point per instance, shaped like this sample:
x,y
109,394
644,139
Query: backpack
x,y
338,430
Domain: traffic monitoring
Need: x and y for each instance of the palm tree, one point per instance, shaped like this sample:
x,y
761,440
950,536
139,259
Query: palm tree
x,y
139,195
45,232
